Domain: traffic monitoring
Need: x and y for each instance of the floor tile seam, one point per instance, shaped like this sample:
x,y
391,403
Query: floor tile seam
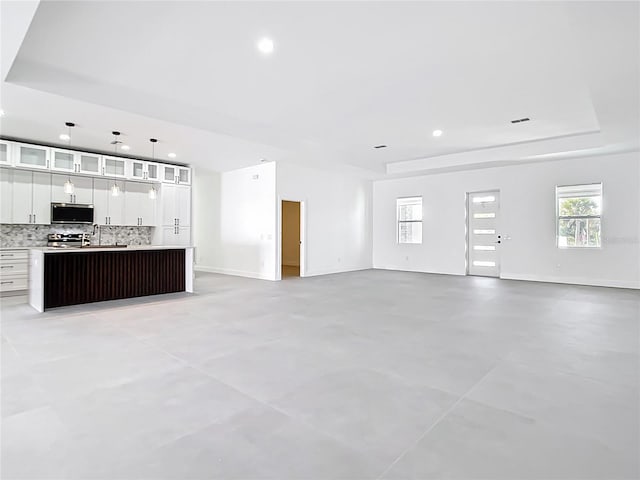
x,y
576,375
267,404
438,421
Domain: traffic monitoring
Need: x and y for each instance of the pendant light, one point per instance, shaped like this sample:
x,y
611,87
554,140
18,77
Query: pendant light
x,y
152,191
115,189
68,185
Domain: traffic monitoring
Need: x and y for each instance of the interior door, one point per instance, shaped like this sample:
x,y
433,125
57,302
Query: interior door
x,y
483,239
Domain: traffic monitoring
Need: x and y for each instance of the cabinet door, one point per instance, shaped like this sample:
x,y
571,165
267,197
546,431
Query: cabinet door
x,y
116,204
136,169
6,195
42,198
169,208
153,171
63,160
32,156
5,153
114,167
139,208
169,174
184,176
183,205
101,192
89,163
22,197
183,236
82,189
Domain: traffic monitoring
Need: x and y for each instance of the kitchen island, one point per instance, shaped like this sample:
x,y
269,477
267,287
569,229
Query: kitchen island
x,y
71,276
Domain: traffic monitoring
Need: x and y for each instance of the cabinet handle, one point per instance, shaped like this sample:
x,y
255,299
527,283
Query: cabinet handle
x,y
106,220
9,281
34,218
6,255
6,266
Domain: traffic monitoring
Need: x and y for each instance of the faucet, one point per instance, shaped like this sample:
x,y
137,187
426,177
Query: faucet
x,y
97,227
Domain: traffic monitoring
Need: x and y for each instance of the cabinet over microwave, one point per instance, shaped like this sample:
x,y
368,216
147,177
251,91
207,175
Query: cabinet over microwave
x,y
71,213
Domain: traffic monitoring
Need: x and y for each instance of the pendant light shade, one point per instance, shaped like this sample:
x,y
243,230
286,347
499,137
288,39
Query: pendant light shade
x,y
69,188
153,194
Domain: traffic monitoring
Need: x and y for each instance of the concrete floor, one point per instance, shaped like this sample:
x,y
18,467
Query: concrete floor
x,y
370,374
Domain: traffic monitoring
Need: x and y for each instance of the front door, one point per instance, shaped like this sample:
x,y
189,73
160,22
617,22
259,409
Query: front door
x,y
483,240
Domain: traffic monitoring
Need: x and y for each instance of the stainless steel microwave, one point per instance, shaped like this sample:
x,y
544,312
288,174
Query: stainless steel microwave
x,y
71,213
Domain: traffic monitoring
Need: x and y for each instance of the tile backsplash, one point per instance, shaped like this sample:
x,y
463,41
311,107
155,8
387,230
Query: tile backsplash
x,y
14,235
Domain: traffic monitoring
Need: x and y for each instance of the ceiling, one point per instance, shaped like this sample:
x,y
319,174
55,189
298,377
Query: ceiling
x,y
345,76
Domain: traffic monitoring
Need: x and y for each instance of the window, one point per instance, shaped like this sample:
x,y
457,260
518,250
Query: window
x,y
409,219
579,209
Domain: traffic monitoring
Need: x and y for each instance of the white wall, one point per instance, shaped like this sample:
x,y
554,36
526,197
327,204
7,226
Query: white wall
x,y
337,217
527,216
240,208
205,217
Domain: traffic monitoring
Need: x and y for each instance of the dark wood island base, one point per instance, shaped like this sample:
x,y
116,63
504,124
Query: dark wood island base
x,y
75,276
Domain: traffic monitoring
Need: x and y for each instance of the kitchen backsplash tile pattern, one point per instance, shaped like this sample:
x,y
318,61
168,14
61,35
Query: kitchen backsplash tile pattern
x,y
13,235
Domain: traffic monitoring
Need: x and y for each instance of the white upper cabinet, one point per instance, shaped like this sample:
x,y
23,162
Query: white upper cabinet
x,y
31,156
153,171
6,195
176,205
136,169
108,209
31,197
82,189
89,163
140,210
63,160
143,170
5,152
175,174
114,167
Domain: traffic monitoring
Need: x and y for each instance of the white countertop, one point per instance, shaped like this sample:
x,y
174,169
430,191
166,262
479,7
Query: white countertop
x,y
107,249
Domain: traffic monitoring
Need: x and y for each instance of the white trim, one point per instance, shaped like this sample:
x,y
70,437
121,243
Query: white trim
x,y
573,280
331,271
229,271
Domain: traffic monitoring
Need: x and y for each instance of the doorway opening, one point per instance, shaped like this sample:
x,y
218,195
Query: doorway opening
x,y
483,239
291,239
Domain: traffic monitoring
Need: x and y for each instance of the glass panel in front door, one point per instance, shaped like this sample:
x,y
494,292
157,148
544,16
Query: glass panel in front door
x,y
483,239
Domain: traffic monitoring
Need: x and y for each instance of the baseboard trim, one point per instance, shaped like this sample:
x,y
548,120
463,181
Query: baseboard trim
x,y
228,271
572,281
331,271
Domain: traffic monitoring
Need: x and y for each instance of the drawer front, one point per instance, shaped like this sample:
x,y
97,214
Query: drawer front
x,y
9,255
13,268
10,284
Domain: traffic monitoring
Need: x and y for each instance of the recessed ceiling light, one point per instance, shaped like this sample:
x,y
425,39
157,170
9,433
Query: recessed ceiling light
x,y
437,133
125,147
265,45
65,137
171,155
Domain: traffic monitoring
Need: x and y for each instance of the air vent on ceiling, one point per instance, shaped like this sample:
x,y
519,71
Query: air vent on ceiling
x,y
380,146
519,120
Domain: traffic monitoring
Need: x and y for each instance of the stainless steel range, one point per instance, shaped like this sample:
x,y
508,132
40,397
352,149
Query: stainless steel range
x,y
68,240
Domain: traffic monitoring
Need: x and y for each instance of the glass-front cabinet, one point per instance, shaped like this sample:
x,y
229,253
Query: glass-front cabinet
x,y
5,153
31,156
114,167
175,174
143,170
89,163
63,160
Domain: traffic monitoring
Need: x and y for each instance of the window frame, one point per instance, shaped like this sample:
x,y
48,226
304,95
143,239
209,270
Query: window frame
x,y
401,222
559,217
